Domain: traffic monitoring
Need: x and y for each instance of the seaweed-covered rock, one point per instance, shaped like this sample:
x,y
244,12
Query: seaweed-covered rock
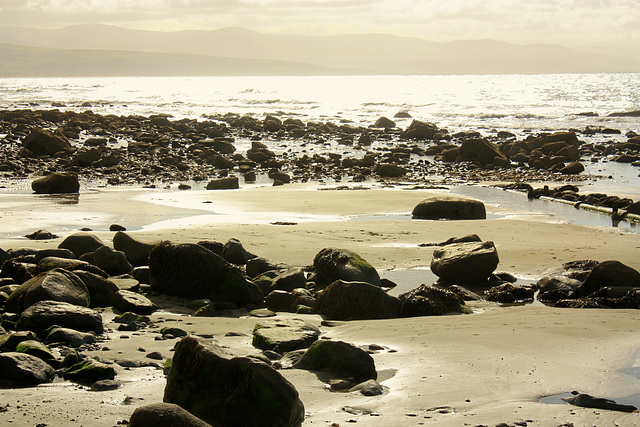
x,y
56,183
339,358
631,299
221,389
164,414
192,271
449,207
89,371
468,263
508,293
44,314
429,301
23,370
341,264
356,300
9,342
284,335
37,349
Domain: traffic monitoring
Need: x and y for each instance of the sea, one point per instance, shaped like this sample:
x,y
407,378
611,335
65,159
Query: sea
x,y
520,104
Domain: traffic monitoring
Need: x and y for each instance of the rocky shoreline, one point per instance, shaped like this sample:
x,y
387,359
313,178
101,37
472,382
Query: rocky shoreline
x,y
64,303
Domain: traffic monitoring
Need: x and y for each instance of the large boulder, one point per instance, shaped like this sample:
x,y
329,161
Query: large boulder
x,y
192,271
23,370
339,358
112,262
612,274
56,183
481,151
429,301
449,207
164,414
228,183
101,290
81,243
43,142
137,252
44,314
341,264
356,300
221,389
469,263
284,335
54,285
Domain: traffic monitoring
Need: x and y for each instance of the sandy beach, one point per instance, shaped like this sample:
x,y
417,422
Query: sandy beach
x,y
479,369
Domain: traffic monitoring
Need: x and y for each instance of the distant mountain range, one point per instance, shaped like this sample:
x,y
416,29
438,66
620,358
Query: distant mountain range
x,y
102,50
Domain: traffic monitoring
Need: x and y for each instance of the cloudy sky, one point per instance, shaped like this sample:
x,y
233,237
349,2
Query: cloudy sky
x,y
609,24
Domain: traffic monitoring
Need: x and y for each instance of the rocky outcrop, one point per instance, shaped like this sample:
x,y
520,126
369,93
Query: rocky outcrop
x,y
449,207
221,389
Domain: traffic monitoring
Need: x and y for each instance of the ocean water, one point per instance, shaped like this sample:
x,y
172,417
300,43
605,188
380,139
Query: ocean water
x,y
516,103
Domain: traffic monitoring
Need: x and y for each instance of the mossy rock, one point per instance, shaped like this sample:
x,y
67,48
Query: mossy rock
x,y
89,371
341,264
37,349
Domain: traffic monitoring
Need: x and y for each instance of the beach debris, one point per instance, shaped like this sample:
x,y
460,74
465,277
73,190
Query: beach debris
x,y
449,207
356,300
468,263
341,264
217,387
283,335
339,358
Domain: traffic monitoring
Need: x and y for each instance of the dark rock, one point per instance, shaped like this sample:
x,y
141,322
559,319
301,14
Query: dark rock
x,y
235,253
587,401
52,262
133,302
37,349
508,293
284,335
112,262
220,389
101,290
137,252
481,151
339,358
164,414
429,301
279,300
68,337
55,285
89,371
229,183
81,243
58,253
630,299
420,130
572,168
41,235
9,342
43,142
384,122
56,183
15,270
290,280
45,314
341,264
258,265
390,170
368,388
465,263
449,207
105,385
192,271
356,300
551,283
23,370
610,274
117,227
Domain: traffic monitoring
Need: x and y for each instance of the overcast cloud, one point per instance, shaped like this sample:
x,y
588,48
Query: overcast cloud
x,y
575,23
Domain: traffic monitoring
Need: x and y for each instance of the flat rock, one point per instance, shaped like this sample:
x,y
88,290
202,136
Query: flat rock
x,y
284,335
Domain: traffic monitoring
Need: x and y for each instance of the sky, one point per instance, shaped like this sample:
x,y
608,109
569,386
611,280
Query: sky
x,y
609,25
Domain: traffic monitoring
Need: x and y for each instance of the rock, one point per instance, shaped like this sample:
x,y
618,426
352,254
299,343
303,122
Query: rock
x,y
81,243
609,274
235,253
112,262
137,252
37,349
630,299
15,270
54,285
279,300
552,283
290,280
384,122
45,314
133,302
51,263
429,301
23,370
43,142
258,265
356,300
587,401
449,207
101,290
105,385
55,183
58,253
192,271
89,371
341,264
572,168
228,183
420,130
368,388
164,414
465,263
390,170
339,358
9,342
284,335
481,151
68,337
508,293
41,235
230,391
